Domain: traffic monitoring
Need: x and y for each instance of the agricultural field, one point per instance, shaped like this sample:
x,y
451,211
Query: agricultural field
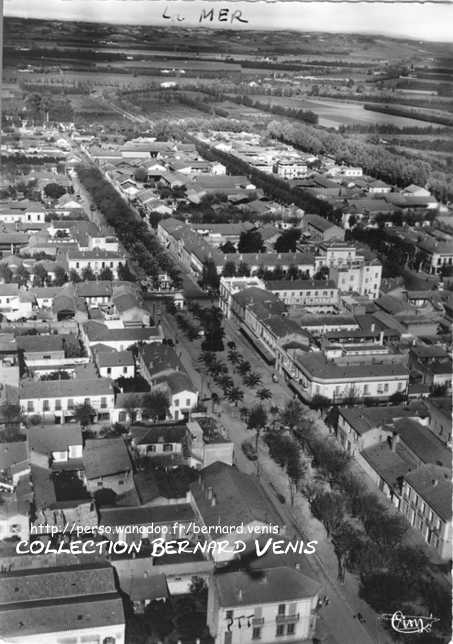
x,y
334,113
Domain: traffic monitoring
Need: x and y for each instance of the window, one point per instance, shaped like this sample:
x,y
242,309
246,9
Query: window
x,y
30,406
256,633
386,387
109,371
290,629
103,402
187,402
57,405
168,447
124,370
229,614
281,609
176,402
45,405
71,403
280,630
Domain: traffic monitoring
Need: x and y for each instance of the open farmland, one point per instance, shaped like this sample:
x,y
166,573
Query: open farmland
x,y
334,113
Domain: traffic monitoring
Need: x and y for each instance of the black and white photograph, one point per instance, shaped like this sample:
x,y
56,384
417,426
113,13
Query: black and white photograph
x,y
226,306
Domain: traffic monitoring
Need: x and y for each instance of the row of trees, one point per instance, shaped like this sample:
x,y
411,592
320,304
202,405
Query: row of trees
x,y
374,159
142,245
368,537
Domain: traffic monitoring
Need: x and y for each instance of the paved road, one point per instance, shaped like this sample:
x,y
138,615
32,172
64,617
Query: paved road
x,y
336,624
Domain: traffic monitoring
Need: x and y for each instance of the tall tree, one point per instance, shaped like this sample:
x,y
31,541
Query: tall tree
x,y
257,421
84,414
250,241
156,404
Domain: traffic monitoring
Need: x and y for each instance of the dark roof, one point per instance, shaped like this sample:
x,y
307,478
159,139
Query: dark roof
x,y
300,285
363,419
114,358
160,357
105,456
39,343
146,515
239,497
65,388
12,453
316,364
153,587
319,223
55,583
55,438
271,586
98,332
162,433
33,618
179,381
433,484
388,464
422,442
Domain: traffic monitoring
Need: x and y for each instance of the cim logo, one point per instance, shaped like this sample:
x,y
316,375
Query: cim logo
x,y
410,624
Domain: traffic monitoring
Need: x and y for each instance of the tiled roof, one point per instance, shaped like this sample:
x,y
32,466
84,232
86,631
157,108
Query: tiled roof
x,y
65,388
239,497
268,586
105,456
433,484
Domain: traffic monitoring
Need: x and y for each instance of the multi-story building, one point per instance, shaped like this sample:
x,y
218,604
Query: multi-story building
x,y
426,503
357,377
436,254
96,260
315,294
321,229
275,604
229,286
55,400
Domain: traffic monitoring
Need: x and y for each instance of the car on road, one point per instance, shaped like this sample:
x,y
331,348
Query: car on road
x,y
249,450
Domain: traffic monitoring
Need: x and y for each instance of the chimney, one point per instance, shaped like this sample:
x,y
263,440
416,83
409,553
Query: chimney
x,y
373,327
240,596
213,500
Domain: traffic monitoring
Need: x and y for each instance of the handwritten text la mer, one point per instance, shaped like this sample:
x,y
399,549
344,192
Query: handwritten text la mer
x,y
210,15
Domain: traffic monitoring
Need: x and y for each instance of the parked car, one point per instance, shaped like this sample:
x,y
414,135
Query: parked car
x,y
249,450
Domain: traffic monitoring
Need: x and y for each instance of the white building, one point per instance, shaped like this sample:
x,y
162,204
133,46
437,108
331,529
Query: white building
x,y
275,604
55,400
231,285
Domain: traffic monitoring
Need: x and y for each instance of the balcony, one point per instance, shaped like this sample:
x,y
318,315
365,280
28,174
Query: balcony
x,y
287,619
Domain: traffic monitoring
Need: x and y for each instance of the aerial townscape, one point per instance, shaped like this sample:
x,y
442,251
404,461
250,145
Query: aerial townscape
x,y
226,298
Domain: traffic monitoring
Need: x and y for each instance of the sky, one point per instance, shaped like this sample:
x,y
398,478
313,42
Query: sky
x,y
421,21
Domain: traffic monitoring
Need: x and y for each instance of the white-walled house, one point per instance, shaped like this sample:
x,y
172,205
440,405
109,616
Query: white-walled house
x,y
275,604
55,400
358,377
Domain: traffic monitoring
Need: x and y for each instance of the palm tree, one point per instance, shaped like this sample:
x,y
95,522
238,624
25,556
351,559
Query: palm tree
x,y
264,394
244,367
257,421
252,379
226,382
234,357
235,395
